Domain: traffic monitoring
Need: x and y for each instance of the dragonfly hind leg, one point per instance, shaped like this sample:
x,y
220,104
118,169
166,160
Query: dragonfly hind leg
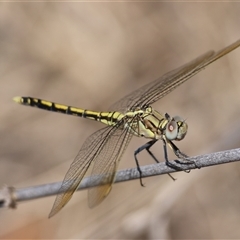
x,y
147,147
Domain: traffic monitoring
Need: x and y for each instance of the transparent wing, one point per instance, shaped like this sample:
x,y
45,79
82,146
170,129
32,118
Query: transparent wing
x,y
157,89
96,147
106,164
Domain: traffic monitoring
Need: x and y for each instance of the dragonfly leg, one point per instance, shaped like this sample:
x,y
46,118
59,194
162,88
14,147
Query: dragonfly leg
x,y
166,157
182,156
139,169
147,147
153,156
143,147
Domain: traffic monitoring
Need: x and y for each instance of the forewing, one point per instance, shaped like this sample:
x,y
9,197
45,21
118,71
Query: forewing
x,y
87,154
157,89
106,164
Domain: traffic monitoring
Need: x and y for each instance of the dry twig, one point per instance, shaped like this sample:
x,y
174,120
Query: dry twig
x,y
10,196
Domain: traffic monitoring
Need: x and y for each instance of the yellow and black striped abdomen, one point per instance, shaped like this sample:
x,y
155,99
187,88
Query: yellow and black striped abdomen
x,y
109,118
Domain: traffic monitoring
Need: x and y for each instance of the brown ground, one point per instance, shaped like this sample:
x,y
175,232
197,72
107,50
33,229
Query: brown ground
x,y
90,55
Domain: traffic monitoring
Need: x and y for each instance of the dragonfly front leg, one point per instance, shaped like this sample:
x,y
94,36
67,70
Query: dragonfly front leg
x,y
177,152
166,157
180,155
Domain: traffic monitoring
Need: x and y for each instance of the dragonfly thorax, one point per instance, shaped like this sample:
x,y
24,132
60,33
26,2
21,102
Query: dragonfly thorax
x,y
151,124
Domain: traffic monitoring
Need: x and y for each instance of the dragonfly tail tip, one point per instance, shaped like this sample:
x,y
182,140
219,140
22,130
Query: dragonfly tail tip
x,y
17,99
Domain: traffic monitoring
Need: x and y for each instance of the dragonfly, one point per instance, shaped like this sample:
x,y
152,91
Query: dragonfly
x,y
131,116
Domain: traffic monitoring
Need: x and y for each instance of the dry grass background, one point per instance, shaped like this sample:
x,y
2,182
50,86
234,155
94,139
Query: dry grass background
x,y
90,55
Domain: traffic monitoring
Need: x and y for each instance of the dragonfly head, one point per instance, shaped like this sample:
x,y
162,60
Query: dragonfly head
x,y
176,129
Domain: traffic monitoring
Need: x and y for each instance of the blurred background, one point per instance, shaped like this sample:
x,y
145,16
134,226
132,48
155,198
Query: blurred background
x,y
90,55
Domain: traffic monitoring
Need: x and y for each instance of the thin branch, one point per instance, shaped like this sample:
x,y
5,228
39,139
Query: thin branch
x,y
9,196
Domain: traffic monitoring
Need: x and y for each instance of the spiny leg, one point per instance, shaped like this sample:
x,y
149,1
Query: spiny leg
x,y
156,160
147,147
143,147
166,157
180,155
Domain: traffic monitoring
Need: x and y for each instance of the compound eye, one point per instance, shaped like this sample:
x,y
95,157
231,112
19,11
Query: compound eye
x,y
172,130
182,128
